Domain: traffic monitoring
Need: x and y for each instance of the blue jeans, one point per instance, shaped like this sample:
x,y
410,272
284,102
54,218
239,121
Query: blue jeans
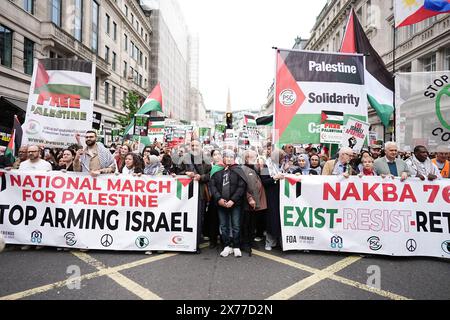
x,y
230,220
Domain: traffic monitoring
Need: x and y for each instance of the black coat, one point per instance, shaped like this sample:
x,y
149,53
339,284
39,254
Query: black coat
x,y
198,166
5,162
272,188
238,186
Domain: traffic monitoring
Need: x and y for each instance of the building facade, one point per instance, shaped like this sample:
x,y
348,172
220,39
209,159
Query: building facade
x,y
169,62
113,34
424,46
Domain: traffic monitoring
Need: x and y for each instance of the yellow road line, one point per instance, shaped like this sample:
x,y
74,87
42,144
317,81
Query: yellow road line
x,y
334,277
285,261
365,287
304,284
103,272
120,279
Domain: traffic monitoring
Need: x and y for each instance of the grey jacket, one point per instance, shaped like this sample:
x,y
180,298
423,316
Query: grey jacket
x,y
381,166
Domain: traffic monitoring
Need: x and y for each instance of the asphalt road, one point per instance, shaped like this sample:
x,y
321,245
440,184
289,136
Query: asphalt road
x,y
106,275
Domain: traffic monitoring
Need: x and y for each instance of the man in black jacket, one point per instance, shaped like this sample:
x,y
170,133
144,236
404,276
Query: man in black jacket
x,y
194,166
228,190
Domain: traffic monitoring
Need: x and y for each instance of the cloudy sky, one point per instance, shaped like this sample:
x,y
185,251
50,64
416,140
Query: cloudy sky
x,y
236,40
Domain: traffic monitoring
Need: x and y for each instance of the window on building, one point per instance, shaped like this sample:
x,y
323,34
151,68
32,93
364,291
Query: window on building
x,y
359,14
337,42
106,92
114,31
140,57
125,67
114,58
6,37
95,12
124,96
132,19
56,12
142,32
429,63
132,49
125,42
137,26
126,11
410,31
429,22
369,13
28,6
97,82
447,59
78,28
107,54
140,80
107,22
405,68
145,63
28,56
113,100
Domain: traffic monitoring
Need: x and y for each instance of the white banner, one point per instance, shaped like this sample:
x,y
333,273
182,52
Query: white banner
x,y
422,109
60,103
368,215
108,212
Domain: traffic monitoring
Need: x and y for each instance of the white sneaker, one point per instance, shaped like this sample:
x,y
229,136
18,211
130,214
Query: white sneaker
x,y
237,252
226,251
268,248
258,239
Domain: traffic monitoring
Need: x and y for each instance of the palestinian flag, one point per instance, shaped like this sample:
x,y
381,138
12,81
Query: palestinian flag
x,y
63,76
249,120
332,117
409,12
265,120
10,149
18,133
153,102
379,81
185,188
292,186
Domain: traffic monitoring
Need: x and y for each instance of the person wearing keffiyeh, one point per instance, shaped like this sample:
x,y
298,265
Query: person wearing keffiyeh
x,y
95,158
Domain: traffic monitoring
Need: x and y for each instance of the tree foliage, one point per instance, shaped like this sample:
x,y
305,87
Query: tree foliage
x,y
130,106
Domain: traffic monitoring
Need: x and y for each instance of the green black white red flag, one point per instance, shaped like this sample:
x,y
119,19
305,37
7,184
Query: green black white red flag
x,y
378,80
154,102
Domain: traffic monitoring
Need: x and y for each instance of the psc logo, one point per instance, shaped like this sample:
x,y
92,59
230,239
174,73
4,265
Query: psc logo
x,y
287,97
374,243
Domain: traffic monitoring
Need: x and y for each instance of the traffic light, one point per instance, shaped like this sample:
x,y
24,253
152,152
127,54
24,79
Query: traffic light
x,y
229,120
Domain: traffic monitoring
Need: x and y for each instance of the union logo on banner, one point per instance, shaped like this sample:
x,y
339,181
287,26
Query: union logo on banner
x,y
292,186
185,188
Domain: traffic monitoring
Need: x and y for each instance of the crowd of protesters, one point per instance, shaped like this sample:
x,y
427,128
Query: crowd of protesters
x,y
238,189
